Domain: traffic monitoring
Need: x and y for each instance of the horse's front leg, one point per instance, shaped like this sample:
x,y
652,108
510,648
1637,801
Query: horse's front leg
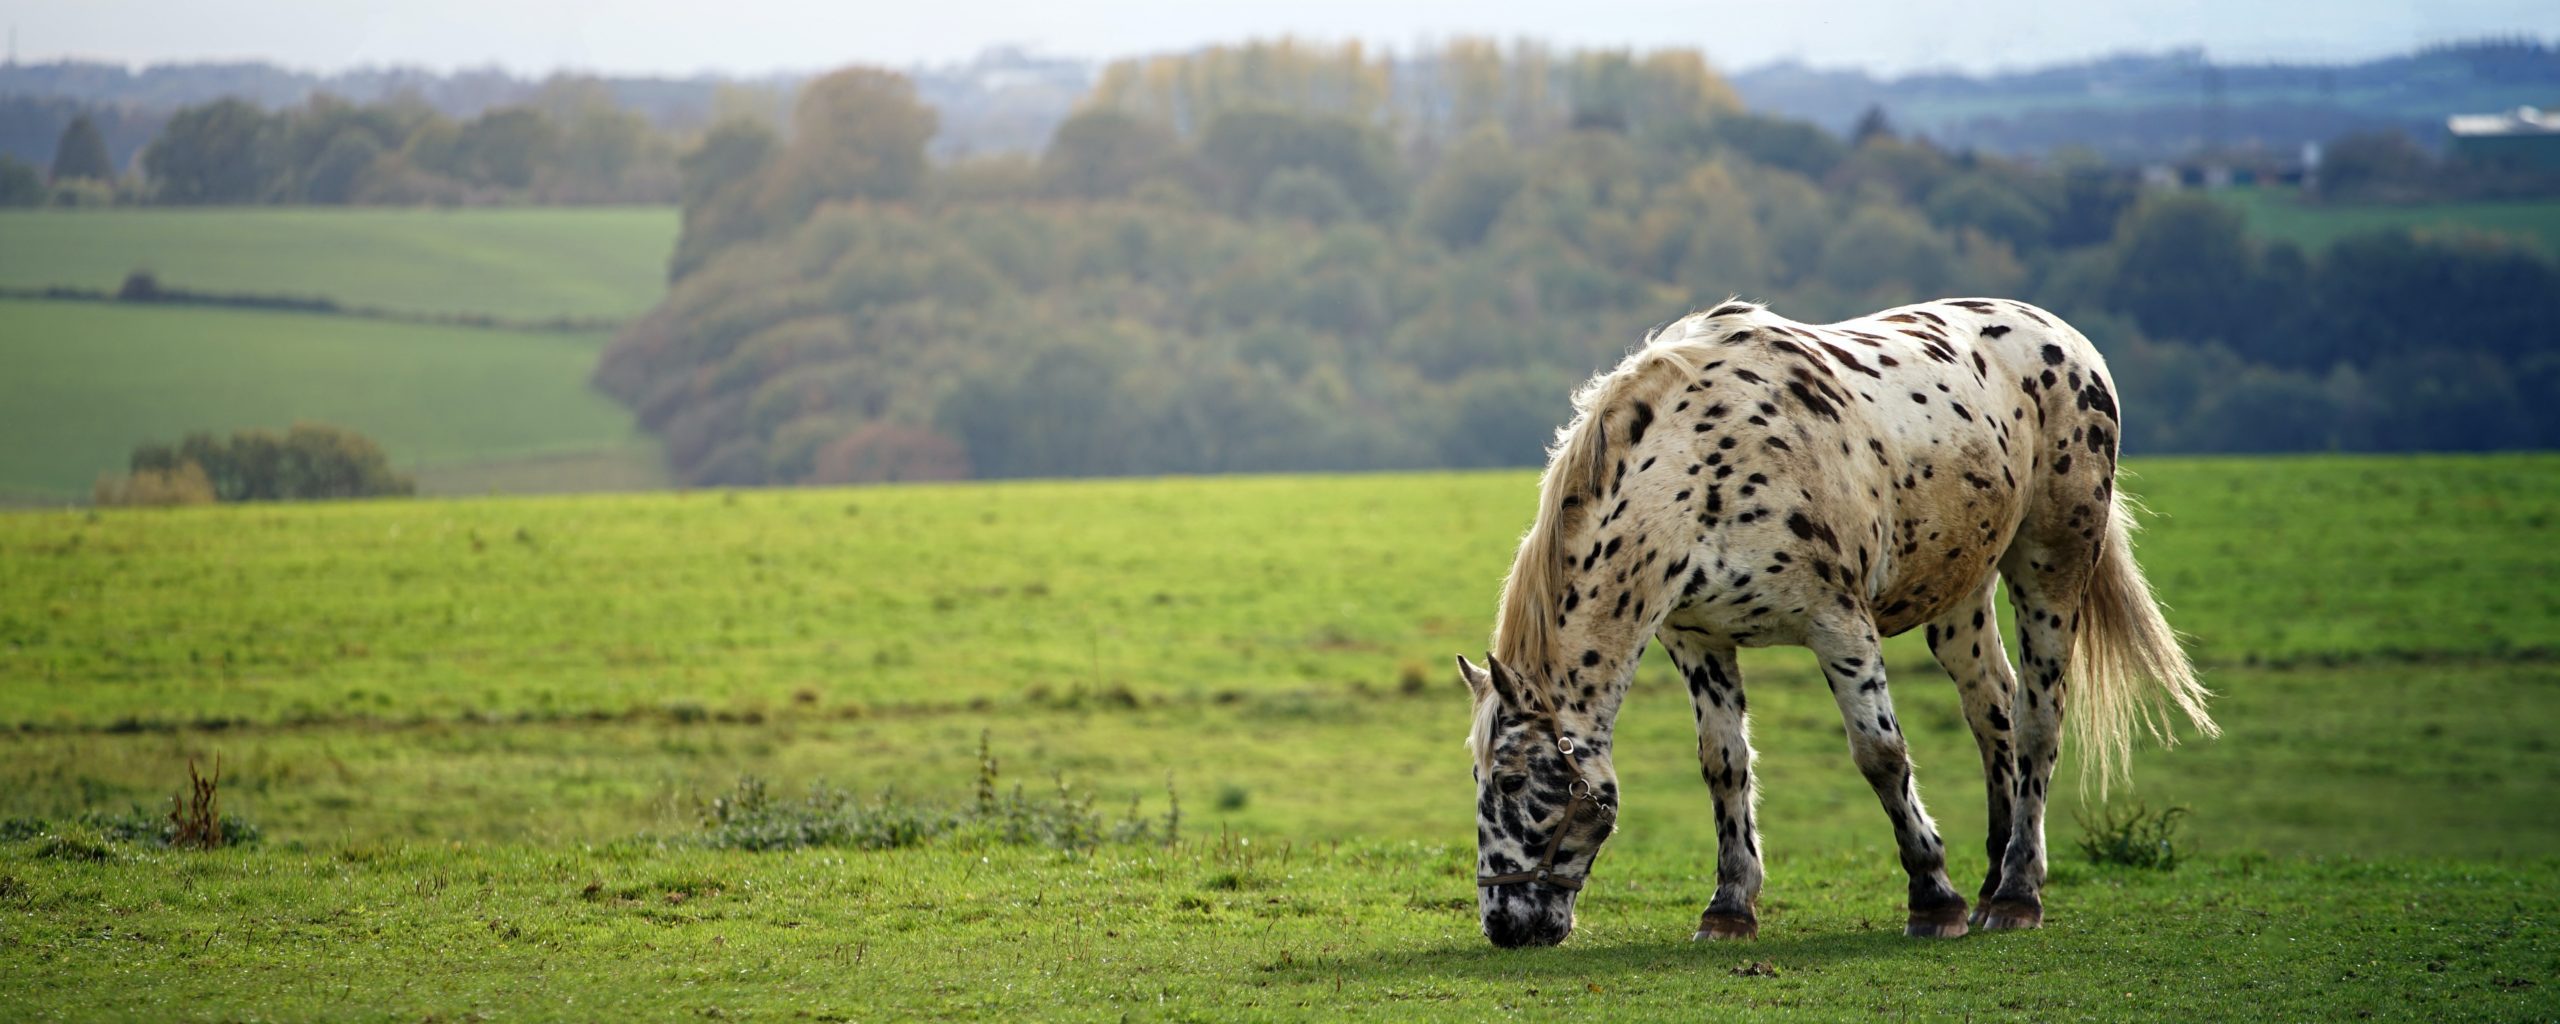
x,y
1724,758
1853,665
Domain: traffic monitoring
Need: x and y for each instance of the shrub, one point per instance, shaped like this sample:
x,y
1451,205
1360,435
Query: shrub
x,y
182,484
310,461
84,193
20,184
2133,837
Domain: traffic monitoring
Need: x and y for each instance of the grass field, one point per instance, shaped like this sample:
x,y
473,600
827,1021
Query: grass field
x,y
480,737
737,602
2277,212
87,382
469,411
515,263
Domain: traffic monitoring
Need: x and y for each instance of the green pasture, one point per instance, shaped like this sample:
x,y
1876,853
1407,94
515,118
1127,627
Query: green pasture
x,y
1221,931
481,736
878,598
581,262
87,382
2278,212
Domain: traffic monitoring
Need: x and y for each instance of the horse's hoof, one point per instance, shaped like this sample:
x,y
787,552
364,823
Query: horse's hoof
x,y
1714,927
1982,903
1945,922
2004,915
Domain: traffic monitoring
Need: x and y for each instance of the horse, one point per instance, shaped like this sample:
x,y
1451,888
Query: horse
x,y
1743,480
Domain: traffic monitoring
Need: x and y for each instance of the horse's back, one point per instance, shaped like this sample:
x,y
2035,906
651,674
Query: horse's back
x,y
1890,461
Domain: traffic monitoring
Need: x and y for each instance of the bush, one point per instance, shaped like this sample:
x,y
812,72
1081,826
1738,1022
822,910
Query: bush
x,y
82,193
20,184
2133,837
182,484
311,461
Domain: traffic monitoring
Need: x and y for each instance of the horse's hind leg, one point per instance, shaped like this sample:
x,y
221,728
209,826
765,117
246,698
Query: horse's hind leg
x,y
1853,663
1724,759
1967,642
2046,580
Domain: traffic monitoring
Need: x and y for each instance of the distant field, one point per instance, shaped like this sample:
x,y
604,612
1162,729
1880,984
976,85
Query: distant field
x,y
516,263
85,383
2276,212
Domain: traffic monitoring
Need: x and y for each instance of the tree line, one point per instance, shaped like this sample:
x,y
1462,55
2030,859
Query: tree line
x,y
2135,108
2387,167
570,143
1247,260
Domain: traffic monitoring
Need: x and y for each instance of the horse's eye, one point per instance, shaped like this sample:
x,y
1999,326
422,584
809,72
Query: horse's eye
x,y
1512,783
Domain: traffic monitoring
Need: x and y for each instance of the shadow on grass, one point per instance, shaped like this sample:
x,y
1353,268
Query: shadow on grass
x,y
1645,954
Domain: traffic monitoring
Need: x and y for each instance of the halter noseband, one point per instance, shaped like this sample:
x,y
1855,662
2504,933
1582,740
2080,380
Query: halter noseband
x,y
1577,794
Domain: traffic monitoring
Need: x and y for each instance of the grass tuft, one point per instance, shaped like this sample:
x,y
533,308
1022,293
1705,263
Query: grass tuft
x,y
2133,837
78,842
749,817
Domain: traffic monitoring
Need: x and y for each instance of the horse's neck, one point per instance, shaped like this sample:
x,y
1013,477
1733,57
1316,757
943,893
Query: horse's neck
x,y
1582,650
1593,715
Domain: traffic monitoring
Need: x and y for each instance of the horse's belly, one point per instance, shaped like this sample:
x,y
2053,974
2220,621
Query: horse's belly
x,y
1944,546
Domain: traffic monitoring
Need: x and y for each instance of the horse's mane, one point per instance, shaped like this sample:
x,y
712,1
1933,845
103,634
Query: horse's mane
x,y
1576,476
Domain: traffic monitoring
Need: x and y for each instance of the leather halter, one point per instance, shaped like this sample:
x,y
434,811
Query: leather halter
x,y
1577,795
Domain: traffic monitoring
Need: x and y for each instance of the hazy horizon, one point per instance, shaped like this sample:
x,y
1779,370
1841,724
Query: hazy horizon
x,y
747,38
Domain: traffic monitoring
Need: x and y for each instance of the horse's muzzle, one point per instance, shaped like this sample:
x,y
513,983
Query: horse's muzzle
x,y
1532,925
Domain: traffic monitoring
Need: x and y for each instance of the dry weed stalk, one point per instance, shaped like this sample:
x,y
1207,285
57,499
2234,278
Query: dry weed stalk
x,y
196,814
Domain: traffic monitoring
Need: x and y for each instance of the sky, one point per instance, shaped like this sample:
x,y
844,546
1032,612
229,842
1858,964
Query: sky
x,y
747,37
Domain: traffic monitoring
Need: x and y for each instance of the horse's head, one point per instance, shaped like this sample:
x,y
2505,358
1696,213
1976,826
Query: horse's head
x,y
1546,798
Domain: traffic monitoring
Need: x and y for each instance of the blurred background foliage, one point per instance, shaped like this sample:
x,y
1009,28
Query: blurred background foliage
x,y
1281,256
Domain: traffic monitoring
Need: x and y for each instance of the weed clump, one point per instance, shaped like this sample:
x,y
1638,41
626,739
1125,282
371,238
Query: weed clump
x,y
750,817
2133,837
134,827
195,815
194,821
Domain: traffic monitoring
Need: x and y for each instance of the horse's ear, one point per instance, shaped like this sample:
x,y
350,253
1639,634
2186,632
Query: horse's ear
x,y
1479,682
1507,685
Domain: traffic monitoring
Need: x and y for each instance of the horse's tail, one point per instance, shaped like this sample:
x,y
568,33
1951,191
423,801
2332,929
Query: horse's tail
x,y
2127,668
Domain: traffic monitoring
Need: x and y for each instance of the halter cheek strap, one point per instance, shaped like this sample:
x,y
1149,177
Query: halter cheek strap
x,y
1577,795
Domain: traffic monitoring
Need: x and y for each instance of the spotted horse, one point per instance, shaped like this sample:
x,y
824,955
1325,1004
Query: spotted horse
x,y
1743,480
